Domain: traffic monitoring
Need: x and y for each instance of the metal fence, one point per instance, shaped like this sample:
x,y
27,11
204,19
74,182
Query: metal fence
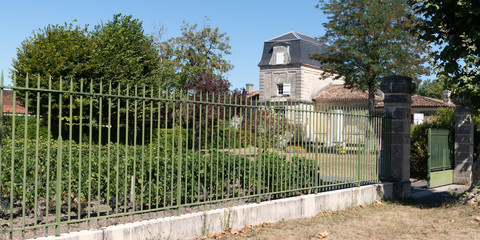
x,y
86,154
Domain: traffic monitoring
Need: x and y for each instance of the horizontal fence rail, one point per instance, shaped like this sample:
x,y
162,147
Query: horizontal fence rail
x,y
91,154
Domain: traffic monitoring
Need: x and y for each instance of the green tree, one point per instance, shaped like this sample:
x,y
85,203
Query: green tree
x,y
59,53
453,26
431,88
369,40
125,54
197,52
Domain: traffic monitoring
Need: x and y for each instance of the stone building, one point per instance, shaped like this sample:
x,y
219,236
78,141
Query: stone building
x,y
288,73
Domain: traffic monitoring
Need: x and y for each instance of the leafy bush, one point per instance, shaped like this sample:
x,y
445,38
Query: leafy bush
x,y
94,171
445,118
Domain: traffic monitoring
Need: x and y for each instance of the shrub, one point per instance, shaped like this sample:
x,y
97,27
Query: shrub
x,y
93,171
445,118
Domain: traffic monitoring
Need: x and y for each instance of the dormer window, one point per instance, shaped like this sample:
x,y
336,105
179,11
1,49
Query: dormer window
x,y
284,89
280,55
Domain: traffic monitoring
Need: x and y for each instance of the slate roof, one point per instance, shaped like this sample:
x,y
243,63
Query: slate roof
x,y
300,45
8,103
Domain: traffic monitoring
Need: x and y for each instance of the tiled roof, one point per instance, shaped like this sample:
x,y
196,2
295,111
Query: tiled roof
x,y
340,93
253,94
422,101
8,103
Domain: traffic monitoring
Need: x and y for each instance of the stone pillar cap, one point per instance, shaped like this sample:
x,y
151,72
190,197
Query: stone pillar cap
x,y
397,84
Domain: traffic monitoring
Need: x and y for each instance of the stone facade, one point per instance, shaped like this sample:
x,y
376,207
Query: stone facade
x,y
463,160
305,83
397,102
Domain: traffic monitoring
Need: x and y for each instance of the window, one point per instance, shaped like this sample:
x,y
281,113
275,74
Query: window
x,y
280,58
280,55
284,89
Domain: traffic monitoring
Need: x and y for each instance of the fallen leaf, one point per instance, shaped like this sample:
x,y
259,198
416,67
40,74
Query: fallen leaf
x,y
210,235
452,220
233,232
435,221
433,226
477,219
362,206
323,234
264,224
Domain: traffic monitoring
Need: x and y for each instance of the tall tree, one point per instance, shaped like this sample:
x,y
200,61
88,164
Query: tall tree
x,y
370,39
63,52
431,88
454,27
124,53
197,52
57,51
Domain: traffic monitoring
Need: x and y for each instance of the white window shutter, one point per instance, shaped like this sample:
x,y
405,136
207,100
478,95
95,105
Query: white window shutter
x,y
286,89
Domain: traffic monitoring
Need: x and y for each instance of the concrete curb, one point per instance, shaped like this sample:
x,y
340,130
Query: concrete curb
x,y
193,225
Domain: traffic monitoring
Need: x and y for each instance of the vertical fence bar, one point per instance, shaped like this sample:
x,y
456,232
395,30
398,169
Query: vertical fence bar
x,y
157,191
49,137
80,154
12,162
108,199
125,160
58,190
187,133
25,147
90,150
179,160
117,162
142,157
150,159
194,137
99,152
70,125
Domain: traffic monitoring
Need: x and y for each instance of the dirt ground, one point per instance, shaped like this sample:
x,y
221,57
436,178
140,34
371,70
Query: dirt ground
x,y
381,220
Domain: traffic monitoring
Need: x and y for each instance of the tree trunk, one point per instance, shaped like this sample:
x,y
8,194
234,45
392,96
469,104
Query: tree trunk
x,y
371,99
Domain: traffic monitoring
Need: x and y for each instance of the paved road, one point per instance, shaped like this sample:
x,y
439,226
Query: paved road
x,y
435,195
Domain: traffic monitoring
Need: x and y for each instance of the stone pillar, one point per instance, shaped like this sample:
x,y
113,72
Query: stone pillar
x,y
462,173
397,102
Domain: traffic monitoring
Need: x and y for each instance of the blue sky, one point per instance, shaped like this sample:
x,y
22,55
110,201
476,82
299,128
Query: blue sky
x,y
247,23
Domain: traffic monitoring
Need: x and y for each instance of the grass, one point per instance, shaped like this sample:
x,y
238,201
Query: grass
x,y
408,219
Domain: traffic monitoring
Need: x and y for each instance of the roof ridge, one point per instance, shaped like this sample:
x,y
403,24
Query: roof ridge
x,y
295,34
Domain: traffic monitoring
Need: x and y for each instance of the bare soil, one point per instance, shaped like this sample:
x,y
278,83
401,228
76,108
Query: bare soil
x,y
381,220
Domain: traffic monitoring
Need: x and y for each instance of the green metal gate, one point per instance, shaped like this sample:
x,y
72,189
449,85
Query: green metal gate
x,y
440,164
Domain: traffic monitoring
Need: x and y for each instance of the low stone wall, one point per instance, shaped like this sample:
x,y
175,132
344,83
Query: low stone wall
x,y
193,225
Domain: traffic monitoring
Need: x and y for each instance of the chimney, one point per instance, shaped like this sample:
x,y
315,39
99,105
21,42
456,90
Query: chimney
x,y
446,96
380,93
249,88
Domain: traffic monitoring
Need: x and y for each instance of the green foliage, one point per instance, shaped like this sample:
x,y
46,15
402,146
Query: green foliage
x,y
433,89
93,171
445,118
369,40
124,54
20,127
57,51
198,51
453,27
111,59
